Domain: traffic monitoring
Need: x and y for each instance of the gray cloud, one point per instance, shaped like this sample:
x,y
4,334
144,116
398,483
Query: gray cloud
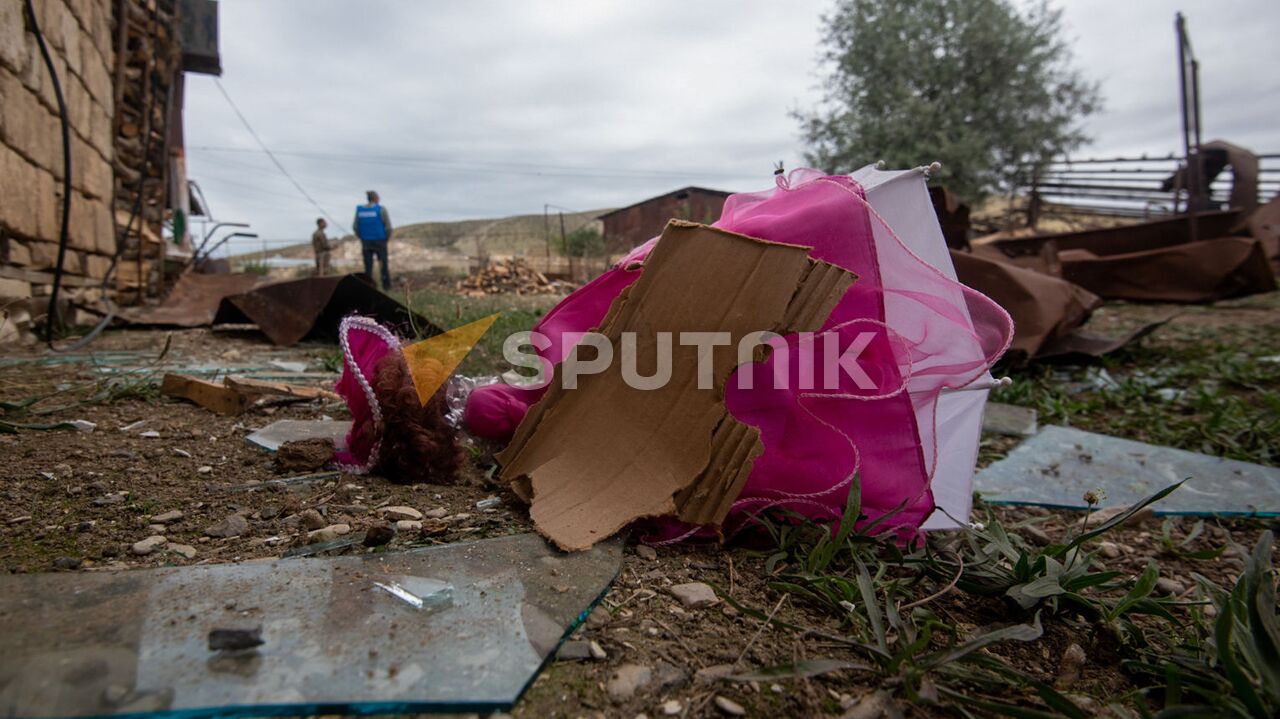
x,y
464,110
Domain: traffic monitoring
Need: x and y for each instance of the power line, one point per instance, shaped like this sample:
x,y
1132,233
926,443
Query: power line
x,y
269,154
489,168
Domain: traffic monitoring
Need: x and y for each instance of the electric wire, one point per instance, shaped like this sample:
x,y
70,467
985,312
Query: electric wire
x,y
52,315
267,151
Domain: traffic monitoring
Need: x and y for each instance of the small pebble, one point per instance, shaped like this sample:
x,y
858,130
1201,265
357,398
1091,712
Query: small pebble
x,y
311,519
729,706
172,515
329,533
379,534
437,513
395,513
233,526
148,545
695,595
1110,550
408,525
67,563
672,707
626,680
644,551
206,469
185,550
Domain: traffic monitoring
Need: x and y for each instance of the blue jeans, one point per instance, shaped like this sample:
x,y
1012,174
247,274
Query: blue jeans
x,y
370,248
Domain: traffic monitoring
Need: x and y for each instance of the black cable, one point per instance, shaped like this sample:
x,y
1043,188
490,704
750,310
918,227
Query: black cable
x,y
123,237
52,316
271,155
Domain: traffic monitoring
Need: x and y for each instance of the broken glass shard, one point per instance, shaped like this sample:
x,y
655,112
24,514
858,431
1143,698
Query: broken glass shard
x,y
334,639
289,430
1058,465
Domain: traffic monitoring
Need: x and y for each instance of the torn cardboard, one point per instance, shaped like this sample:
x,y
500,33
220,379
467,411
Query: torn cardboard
x,y
604,454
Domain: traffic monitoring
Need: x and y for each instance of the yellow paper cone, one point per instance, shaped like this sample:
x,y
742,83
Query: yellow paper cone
x,y
432,360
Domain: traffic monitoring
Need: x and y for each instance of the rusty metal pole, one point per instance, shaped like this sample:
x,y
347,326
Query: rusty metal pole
x,y
1191,154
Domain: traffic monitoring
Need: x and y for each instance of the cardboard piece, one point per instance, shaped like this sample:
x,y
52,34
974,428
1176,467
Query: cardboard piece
x,y
604,454
1057,466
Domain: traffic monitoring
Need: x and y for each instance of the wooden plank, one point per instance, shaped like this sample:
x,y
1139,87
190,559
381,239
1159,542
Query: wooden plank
x,y
246,385
214,397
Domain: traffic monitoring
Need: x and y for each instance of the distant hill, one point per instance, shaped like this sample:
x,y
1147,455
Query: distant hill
x,y
518,235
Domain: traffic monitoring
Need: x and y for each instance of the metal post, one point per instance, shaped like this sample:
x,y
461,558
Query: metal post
x,y
1190,105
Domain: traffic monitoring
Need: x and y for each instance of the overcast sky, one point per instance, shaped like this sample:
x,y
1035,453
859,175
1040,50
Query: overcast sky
x,y
487,109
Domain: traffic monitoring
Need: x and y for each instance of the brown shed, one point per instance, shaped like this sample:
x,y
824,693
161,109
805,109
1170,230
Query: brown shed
x,y
630,226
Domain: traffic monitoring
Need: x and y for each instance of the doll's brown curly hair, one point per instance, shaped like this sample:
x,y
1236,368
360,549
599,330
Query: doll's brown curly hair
x,y
418,444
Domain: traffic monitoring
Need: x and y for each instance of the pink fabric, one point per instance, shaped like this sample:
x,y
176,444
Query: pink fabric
x,y
943,335
364,343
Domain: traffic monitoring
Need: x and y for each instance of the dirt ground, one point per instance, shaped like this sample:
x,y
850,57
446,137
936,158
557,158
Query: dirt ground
x,y
64,507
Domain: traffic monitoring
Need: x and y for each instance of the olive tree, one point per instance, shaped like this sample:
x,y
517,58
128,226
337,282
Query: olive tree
x,y
984,87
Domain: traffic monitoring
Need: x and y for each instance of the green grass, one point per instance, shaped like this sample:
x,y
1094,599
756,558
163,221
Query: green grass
x,y
516,313
1218,655
1207,396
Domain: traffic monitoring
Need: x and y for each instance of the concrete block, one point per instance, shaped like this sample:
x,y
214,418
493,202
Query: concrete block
x,y
13,37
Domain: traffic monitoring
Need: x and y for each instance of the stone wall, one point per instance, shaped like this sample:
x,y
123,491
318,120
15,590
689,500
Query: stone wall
x,y
79,34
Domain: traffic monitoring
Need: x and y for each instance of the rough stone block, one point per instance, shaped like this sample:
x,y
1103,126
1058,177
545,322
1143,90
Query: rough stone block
x,y
96,75
19,255
13,37
14,289
44,255
48,204
69,41
104,227
79,104
82,232
95,266
19,209
26,123
100,130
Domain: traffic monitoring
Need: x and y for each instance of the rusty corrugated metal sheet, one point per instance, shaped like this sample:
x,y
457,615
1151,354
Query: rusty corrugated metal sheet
x,y
631,226
311,308
193,301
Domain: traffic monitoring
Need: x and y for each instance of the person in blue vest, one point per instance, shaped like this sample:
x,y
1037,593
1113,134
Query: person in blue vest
x,y
373,227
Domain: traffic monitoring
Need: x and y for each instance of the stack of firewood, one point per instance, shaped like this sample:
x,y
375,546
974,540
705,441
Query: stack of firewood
x,y
513,276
